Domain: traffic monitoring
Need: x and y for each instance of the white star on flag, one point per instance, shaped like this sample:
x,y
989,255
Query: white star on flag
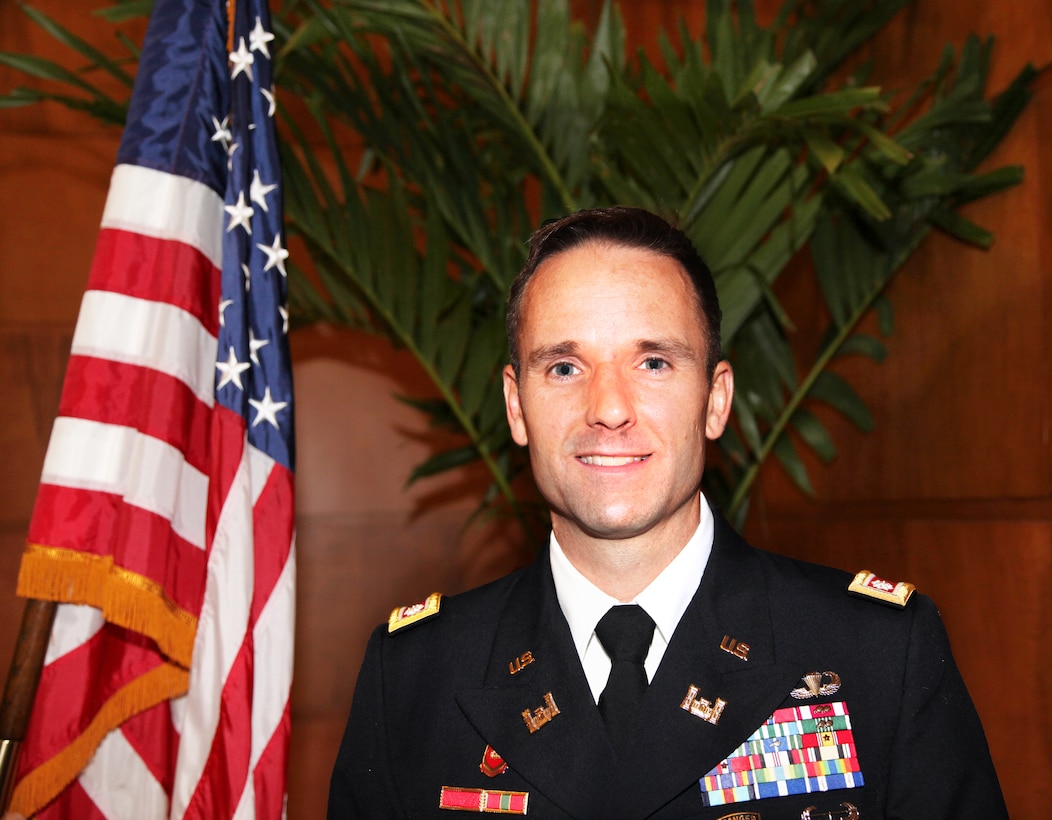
x,y
223,305
271,106
267,409
222,133
258,190
259,37
232,370
276,255
254,345
242,60
240,214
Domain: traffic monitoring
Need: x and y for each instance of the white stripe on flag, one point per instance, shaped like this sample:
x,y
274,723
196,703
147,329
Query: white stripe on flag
x,y
74,625
165,206
120,784
147,472
157,335
273,639
177,711
221,629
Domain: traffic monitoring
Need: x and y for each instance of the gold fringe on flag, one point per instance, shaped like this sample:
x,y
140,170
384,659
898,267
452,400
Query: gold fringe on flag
x,y
126,598
40,786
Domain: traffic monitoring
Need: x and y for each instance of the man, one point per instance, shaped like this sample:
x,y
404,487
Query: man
x,y
650,663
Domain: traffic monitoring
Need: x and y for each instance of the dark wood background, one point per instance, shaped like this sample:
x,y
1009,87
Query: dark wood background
x,y
953,490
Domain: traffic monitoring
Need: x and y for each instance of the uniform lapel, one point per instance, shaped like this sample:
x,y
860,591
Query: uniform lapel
x,y
672,748
568,757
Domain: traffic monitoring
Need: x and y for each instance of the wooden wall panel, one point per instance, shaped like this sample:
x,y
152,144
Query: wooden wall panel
x,y
951,491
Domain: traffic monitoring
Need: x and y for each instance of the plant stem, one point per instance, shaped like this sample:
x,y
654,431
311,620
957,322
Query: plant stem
x,y
741,492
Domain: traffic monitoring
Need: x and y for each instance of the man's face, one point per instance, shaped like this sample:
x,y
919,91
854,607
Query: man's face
x,y
612,396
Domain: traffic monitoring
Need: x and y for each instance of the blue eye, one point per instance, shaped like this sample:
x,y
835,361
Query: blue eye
x,y
563,369
654,363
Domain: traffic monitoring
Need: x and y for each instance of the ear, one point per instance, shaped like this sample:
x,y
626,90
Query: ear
x,y
721,394
513,407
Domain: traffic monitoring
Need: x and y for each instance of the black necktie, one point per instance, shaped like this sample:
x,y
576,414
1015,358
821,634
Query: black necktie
x,y
625,633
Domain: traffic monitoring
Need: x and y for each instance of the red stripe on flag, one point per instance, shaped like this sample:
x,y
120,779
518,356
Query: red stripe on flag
x,y
192,283
269,774
155,739
85,678
272,527
227,445
101,524
144,399
72,803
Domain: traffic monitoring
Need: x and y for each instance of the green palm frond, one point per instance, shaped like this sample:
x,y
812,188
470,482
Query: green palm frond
x,y
856,256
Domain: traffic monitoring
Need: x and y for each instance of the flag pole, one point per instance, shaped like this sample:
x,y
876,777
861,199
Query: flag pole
x,y
22,679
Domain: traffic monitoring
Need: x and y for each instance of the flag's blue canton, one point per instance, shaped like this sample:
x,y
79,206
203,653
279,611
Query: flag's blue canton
x,y
226,140
253,306
178,89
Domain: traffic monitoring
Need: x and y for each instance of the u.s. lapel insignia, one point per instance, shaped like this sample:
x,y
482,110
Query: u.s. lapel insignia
x,y
541,715
492,763
735,647
847,811
521,662
700,707
817,684
867,585
481,801
404,616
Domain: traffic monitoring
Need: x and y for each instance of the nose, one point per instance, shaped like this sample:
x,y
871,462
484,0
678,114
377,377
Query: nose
x,y
610,399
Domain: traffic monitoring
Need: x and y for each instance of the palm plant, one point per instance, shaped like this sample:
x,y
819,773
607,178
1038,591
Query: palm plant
x,y
470,121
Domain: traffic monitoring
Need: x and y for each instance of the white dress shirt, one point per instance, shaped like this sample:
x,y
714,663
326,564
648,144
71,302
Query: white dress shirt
x,y
665,599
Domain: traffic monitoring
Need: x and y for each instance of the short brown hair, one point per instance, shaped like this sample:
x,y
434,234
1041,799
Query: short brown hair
x,y
630,228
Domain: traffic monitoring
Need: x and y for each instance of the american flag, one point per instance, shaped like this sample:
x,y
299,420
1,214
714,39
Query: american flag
x,y
164,519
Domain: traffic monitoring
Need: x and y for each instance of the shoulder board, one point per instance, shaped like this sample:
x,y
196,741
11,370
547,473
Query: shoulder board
x,y
404,616
868,585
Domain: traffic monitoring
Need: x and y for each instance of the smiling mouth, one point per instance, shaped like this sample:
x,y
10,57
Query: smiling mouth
x,y
610,461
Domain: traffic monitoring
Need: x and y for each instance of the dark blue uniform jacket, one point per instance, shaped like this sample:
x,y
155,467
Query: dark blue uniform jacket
x,y
431,697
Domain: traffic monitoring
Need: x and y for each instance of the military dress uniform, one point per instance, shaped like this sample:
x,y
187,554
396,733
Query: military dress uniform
x,y
779,696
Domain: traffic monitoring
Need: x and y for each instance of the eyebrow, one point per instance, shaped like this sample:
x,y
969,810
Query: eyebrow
x,y
549,352
669,347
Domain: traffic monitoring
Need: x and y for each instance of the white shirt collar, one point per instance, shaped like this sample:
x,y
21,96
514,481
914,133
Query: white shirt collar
x,y
665,599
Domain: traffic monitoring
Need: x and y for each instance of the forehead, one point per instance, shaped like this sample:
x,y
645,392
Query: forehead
x,y
608,290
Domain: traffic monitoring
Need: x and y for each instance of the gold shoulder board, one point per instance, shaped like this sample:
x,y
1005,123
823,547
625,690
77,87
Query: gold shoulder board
x,y
868,585
406,615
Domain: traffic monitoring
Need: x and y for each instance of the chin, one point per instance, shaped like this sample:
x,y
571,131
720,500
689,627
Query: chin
x,y
615,527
